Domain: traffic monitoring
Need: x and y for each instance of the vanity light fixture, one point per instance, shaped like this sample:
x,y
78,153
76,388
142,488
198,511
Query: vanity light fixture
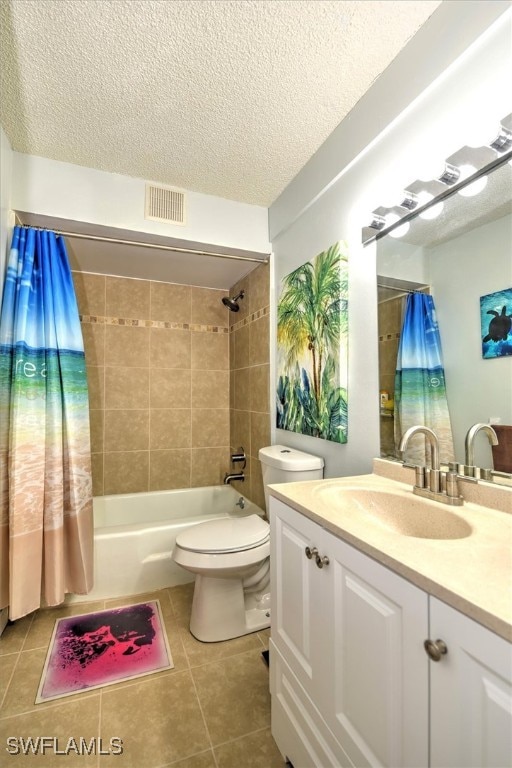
x,y
429,213
477,186
464,172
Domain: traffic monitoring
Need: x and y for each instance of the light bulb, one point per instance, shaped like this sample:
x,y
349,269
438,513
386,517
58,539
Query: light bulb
x,y
400,231
431,213
474,188
392,218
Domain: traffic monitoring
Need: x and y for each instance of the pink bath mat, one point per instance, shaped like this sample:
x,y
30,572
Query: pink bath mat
x,y
104,647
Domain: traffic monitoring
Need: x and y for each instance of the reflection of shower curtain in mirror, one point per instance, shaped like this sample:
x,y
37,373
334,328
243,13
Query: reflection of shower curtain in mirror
x,y
420,393
46,500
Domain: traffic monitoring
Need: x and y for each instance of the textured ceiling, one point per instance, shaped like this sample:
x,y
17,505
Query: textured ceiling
x,y
228,98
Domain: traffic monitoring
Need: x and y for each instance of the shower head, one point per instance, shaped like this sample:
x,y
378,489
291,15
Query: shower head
x,y
232,304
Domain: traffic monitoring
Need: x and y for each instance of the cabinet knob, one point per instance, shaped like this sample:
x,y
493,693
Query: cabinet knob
x,y
311,552
435,649
321,561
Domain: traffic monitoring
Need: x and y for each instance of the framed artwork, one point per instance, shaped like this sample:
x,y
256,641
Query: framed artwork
x,y
312,347
496,323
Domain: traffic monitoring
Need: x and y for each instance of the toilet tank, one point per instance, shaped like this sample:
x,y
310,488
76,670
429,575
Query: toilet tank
x,y
280,464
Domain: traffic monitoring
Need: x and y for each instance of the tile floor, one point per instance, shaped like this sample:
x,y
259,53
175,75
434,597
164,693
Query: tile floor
x,y
211,711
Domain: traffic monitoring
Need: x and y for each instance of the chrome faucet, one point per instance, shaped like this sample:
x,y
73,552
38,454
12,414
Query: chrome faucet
x,y
432,483
469,467
228,478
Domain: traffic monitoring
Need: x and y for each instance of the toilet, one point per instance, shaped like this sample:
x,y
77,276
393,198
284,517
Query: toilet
x,y
230,557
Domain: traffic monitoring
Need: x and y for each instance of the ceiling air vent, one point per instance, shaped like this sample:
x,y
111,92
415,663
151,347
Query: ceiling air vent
x,y
165,204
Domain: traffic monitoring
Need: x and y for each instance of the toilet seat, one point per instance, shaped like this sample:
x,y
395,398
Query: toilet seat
x,y
225,535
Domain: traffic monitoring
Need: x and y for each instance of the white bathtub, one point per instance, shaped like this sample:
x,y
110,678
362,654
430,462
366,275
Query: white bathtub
x,y
134,535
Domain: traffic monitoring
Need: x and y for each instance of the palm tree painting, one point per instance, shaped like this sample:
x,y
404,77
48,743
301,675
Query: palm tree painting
x,y
312,342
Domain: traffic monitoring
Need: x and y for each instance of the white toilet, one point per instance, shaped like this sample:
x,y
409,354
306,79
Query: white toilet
x,y
230,557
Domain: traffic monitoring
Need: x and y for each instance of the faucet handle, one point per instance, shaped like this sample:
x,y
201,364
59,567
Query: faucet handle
x,y
420,477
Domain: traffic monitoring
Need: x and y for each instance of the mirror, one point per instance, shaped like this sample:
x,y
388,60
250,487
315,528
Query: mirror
x,y
459,256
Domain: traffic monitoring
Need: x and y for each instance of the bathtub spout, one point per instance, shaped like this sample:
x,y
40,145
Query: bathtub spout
x,y
228,478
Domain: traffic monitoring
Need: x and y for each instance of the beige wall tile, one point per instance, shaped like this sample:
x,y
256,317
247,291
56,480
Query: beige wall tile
x,y
127,472
210,389
170,388
242,391
243,284
96,426
259,288
260,432
242,335
259,341
257,489
241,431
90,293
259,388
210,427
126,430
170,348
96,386
93,335
171,302
209,466
169,469
126,388
127,298
97,474
388,351
210,351
170,428
231,349
126,346
231,389
207,307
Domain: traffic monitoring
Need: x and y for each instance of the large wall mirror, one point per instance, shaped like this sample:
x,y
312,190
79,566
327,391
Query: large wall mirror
x,y
460,255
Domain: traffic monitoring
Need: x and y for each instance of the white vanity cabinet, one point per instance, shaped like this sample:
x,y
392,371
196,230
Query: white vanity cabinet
x,y
351,682
349,677
471,694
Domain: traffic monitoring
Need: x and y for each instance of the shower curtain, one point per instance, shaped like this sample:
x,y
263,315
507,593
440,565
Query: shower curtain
x,y
420,392
46,529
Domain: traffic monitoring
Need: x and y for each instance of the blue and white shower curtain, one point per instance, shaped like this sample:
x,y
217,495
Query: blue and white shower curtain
x,y
420,389
46,529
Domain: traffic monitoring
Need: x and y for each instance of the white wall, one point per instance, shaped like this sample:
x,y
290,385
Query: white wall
x,y
73,192
5,202
314,212
462,270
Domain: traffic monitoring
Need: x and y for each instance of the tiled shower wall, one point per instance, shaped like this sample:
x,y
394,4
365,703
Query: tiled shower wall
x,y
390,325
157,358
249,373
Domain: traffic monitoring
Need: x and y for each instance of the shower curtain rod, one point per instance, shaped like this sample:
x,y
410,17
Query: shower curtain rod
x,y
158,246
401,290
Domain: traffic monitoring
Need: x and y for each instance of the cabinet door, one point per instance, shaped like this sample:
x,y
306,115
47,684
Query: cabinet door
x,y
379,678
300,596
471,694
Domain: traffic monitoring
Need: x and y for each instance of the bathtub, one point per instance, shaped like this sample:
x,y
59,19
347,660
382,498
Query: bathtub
x,y
134,535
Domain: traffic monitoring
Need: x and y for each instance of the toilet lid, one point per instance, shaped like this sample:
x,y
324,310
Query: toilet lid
x,y
225,535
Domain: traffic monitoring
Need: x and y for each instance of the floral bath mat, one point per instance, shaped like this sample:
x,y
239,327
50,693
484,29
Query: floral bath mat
x,y
104,647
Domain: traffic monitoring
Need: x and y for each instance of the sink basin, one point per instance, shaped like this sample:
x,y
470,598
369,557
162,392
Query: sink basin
x,y
398,512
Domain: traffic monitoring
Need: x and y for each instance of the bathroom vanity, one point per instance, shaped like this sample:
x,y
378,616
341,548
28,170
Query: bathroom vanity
x,y
391,626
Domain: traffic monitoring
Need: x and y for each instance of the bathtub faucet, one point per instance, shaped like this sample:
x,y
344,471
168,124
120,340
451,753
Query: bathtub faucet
x,y
228,478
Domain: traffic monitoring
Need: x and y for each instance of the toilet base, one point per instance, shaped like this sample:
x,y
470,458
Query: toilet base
x,y
222,611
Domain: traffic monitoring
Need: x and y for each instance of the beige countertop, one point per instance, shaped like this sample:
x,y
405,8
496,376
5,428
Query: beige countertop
x,y
473,574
